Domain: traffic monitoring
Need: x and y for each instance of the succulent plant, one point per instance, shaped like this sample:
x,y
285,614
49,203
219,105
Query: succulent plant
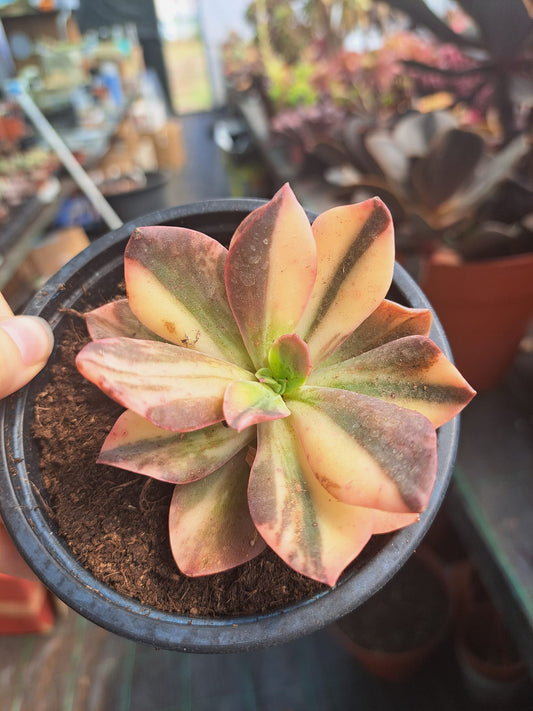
x,y
290,403
445,184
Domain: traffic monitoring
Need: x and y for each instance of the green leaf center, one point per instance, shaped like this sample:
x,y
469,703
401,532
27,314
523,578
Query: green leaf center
x,y
289,364
265,376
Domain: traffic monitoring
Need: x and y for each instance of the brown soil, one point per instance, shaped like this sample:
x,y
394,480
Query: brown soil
x,y
115,522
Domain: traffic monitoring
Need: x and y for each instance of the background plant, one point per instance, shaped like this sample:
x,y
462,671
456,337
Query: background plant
x,y
447,185
498,45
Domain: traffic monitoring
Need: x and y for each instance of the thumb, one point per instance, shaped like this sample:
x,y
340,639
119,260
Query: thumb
x,y
25,344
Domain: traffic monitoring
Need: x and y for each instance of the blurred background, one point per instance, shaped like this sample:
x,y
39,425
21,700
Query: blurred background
x,y
138,105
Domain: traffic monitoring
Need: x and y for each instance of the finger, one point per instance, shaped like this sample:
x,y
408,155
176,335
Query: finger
x,y
5,309
25,344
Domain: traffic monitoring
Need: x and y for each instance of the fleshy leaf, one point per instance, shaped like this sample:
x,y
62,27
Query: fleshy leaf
x,y
415,133
389,156
446,167
116,319
313,532
487,177
385,521
387,323
210,525
174,388
270,271
177,457
411,372
246,404
355,254
290,361
364,451
175,285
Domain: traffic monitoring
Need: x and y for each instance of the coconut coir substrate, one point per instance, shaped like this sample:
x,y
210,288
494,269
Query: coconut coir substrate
x,y
115,522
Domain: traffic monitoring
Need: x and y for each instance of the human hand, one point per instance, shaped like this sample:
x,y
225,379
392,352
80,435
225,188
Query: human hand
x,y
25,344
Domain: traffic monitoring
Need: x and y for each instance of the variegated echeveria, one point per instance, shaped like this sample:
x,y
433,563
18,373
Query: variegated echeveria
x,y
290,403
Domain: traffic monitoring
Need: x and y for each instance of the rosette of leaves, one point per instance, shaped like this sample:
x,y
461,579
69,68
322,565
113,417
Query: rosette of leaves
x,y
290,403
446,186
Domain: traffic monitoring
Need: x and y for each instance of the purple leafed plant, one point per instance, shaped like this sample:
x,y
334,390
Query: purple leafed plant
x,y
290,403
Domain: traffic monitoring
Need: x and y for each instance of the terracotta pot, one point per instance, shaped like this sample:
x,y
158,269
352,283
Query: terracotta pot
x,y
26,607
374,632
24,503
485,308
492,671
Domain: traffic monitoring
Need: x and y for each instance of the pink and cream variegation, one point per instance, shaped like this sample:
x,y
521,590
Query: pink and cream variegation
x,y
289,402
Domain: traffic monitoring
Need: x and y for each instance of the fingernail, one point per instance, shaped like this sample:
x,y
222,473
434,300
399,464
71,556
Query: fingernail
x,y
32,335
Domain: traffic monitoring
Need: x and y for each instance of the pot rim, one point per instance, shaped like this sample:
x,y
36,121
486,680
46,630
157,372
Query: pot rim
x,y
24,514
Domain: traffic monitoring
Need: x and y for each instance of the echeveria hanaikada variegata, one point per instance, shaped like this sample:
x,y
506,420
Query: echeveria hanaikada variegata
x,y
288,400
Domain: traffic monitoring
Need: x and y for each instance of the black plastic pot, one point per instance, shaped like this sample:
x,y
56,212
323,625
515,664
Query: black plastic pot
x,y
131,203
97,270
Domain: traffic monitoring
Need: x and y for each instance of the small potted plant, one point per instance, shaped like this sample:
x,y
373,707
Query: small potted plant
x,y
493,670
399,629
288,405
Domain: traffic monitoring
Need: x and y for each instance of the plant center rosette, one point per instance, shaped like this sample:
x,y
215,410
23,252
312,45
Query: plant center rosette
x,y
289,402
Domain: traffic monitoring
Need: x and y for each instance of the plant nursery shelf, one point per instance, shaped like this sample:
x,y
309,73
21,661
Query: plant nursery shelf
x,y
492,496
19,235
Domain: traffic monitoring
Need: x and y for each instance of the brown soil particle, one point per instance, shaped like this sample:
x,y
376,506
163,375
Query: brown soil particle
x,y
115,522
